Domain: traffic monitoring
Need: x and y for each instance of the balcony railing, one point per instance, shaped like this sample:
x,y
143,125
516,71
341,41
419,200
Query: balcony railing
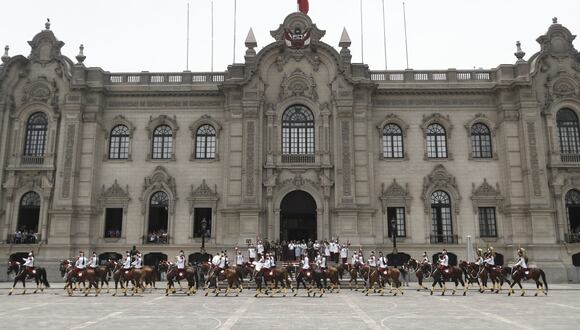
x,y
432,76
23,238
32,160
298,159
156,78
570,158
156,239
572,238
444,239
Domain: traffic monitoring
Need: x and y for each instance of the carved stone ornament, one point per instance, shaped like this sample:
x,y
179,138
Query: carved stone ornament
x,y
298,181
564,85
38,91
440,179
114,195
45,47
558,41
486,195
203,191
438,118
298,84
395,195
159,180
296,30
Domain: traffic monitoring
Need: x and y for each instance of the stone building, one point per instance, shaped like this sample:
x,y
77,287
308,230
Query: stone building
x,y
296,142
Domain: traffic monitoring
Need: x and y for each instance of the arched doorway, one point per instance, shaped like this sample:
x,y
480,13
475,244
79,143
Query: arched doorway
x,y
298,216
158,218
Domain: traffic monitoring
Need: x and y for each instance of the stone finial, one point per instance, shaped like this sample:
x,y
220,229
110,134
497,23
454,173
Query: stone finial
x,y
519,53
6,57
555,20
47,24
251,39
344,39
81,56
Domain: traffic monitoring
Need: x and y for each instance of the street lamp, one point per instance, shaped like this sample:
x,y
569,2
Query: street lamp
x,y
203,229
394,233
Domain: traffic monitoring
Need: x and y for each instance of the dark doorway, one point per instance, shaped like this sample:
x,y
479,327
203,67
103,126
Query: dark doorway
x,y
109,255
152,259
158,219
397,260
574,217
29,213
298,217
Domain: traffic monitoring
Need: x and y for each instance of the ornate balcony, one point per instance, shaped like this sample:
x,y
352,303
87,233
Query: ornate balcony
x,y
32,160
570,158
298,159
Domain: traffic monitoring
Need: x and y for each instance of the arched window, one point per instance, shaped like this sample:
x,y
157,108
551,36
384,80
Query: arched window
x,y
119,142
573,212
158,218
480,141
205,142
28,218
392,141
568,131
162,142
436,141
36,128
441,222
298,133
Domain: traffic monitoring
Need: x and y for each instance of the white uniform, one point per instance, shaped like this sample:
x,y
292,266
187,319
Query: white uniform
x,y
239,259
222,262
522,263
344,252
305,263
372,261
29,262
260,248
444,261
216,260
382,262
127,263
489,261
479,261
323,262
94,262
425,259
272,262
138,264
252,252
267,263
259,264
355,259
181,262
81,263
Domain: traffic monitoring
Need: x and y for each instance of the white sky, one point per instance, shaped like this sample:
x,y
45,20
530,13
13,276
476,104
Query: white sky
x,y
150,35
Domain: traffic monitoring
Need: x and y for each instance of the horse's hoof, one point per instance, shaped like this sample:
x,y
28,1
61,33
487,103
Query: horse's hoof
x,y
205,294
536,294
522,294
295,294
189,294
431,292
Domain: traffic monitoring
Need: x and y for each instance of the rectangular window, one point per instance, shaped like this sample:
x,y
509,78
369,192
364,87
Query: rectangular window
x,y
199,214
487,222
113,222
397,213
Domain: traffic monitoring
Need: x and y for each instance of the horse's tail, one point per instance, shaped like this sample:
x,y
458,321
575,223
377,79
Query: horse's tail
x,y
544,279
44,278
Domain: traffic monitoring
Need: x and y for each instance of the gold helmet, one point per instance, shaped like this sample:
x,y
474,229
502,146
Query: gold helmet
x,y
522,252
479,252
491,251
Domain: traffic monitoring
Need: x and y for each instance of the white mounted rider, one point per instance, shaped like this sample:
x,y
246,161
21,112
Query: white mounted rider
x,y
382,262
81,263
28,265
425,259
251,253
138,262
344,253
94,261
522,263
239,258
127,262
444,260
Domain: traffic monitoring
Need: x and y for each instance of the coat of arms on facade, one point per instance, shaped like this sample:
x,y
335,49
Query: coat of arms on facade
x,y
297,39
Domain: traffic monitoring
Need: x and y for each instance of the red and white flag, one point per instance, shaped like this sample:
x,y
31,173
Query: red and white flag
x,y
303,6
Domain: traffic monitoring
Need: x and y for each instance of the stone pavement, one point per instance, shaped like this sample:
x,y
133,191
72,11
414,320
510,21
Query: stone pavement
x,y
345,310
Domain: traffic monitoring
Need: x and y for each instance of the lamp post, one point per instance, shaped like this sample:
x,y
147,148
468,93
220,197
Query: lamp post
x,y
203,229
394,233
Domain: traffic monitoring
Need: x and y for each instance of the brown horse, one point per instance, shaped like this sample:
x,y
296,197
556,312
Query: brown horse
x,y
521,274
331,273
354,271
371,274
189,274
312,278
36,273
216,275
392,275
148,277
422,271
80,276
472,274
127,276
452,273
277,275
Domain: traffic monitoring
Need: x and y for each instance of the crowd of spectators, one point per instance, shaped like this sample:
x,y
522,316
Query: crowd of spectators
x,y
158,237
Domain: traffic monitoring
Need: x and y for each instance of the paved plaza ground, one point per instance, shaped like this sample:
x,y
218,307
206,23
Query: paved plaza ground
x,y
345,310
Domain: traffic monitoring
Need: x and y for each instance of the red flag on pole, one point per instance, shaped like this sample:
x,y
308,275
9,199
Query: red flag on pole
x,y
303,6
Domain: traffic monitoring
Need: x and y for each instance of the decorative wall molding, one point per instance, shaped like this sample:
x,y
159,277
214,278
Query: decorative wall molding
x,y
440,179
486,195
396,195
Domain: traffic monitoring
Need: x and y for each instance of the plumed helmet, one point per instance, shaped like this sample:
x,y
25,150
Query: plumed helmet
x,y
522,252
479,252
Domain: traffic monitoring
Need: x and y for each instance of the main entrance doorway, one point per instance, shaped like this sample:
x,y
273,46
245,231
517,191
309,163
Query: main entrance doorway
x,y
298,217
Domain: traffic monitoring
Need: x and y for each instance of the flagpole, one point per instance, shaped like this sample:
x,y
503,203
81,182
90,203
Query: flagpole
x,y
235,19
385,34
362,48
211,35
405,25
187,48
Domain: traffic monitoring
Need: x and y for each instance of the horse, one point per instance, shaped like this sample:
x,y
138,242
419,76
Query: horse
x,y
189,274
312,277
148,277
76,276
21,275
452,273
125,276
472,274
331,273
391,276
276,275
215,275
354,272
373,278
422,271
521,274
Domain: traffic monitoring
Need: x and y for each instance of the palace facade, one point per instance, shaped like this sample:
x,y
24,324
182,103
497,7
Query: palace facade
x,y
296,142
